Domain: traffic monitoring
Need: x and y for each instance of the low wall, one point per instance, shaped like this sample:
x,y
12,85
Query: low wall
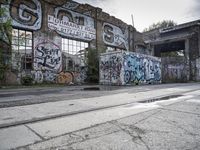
x,y
175,69
126,68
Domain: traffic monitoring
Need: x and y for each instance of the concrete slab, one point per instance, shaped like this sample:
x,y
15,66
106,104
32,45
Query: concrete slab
x,y
22,114
78,136
189,106
55,127
154,130
115,141
17,136
171,130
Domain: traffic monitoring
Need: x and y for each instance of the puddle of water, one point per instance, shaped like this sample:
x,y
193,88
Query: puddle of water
x,y
194,101
160,99
9,118
91,89
130,105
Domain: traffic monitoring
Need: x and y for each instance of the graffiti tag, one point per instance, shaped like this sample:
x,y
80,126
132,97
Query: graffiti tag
x,y
113,35
128,67
72,24
47,56
26,14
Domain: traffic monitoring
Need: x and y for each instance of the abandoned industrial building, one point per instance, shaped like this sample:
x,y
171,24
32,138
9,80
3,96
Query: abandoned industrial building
x,y
51,42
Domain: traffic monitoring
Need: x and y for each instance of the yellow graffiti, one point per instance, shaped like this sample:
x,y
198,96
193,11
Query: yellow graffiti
x,y
65,78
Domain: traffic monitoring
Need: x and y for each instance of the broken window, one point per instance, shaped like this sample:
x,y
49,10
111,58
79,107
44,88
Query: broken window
x,y
22,42
75,52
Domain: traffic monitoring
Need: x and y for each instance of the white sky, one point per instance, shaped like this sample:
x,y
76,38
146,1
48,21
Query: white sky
x,y
147,12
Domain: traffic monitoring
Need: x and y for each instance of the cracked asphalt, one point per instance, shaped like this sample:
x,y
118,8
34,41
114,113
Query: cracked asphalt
x,y
170,127
172,123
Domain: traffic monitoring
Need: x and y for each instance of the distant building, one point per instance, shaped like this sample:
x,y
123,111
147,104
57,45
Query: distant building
x,y
183,39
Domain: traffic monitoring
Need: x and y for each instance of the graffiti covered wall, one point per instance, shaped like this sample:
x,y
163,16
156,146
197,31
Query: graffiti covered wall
x,y
47,58
175,69
110,68
42,26
113,35
26,14
125,68
68,23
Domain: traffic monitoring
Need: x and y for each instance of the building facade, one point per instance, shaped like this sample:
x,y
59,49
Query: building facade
x,y
50,39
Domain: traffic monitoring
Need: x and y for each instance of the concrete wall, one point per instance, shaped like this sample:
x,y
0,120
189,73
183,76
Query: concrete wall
x,y
198,69
50,21
126,68
175,69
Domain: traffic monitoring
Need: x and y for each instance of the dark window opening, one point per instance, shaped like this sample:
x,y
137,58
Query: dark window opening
x,y
26,62
81,21
176,48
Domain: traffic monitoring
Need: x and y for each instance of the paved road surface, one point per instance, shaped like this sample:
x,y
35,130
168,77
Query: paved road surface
x,y
142,117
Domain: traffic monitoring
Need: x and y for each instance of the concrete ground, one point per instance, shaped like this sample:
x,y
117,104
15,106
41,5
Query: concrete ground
x,y
142,117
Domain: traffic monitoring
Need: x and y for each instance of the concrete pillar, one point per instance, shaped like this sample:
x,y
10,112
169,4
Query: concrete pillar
x,y
131,37
187,62
198,60
199,39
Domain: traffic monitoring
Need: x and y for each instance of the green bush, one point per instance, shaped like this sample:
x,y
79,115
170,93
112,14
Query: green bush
x,y
27,80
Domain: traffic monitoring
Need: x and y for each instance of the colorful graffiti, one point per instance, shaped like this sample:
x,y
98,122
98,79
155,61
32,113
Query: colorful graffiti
x,y
123,68
48,63
70,77
25,14
140,68
110,68
47,56
80,75
65,77
37,76
40,76
83,73
113,35
72,24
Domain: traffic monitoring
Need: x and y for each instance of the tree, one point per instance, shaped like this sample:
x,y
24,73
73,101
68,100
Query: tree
x,y
160,24
5,42
93,66
179,53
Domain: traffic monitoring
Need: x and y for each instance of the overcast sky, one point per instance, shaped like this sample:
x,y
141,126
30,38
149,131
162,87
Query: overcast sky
x,y
146,12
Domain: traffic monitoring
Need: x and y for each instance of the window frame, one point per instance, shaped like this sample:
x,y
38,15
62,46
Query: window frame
x,y
75,49
25,49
